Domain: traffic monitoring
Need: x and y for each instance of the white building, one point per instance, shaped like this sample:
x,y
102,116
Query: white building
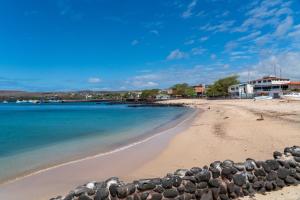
x,y
241,91
270,86
162,97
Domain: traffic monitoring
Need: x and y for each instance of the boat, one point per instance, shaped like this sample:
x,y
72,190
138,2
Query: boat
x,y
263,98
291,96
21,101
5,102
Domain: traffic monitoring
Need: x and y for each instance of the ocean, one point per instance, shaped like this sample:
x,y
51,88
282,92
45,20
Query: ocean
x,y
36,136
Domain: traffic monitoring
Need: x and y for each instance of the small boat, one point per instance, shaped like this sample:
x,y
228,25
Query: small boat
x,y
21,101
34,101
263,98
291,96
5,102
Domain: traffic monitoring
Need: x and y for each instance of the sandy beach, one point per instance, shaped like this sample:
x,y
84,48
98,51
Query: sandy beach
x,y
226,129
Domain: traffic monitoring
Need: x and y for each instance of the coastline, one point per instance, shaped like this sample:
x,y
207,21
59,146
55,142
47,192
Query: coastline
x,y
158,138
229,129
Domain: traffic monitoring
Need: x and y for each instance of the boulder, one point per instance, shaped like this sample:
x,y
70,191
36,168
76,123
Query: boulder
x,y
239,179
101,194
283,173
171,193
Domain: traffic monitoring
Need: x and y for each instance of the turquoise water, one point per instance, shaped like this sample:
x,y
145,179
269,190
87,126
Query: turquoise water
x,y
35,136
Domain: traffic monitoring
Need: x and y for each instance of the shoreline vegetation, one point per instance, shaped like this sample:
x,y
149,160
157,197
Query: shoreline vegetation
x,y
227,129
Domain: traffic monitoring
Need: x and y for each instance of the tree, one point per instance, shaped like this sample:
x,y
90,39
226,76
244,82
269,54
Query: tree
x,y
149,94
220,87
183,90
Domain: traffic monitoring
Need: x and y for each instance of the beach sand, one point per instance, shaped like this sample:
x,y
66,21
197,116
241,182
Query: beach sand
x,y
226,129
229,129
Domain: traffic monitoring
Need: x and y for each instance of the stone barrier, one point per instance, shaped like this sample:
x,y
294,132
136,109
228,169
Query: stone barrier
x,y
218,181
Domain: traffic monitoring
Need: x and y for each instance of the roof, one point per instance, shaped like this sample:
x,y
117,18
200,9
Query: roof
x,y
294,83
272,78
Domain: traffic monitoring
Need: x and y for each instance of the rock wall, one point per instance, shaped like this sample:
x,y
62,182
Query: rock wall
x,y
219,181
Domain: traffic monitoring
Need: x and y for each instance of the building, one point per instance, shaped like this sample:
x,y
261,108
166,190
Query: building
x,y
270,86
294,86
199,90
241,91
162,97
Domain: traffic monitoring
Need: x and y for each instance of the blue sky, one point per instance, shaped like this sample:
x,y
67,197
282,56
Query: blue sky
x,y
53,45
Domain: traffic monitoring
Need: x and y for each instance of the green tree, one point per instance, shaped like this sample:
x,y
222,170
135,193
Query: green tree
x,y
149,94
183,90
220,87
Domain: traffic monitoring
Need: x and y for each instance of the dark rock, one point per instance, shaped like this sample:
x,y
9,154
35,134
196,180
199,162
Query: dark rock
x,y
176,181
188,196
250,164
180,172
122,192
259,172
297,159
266,167
189,173
84,197
268,186
215,172
214,183
283,173
101,194
238,191
277,154
146,185
127,198
280,183
224,197
290,180
203,176
239,179
144,195
171,193
273,164
227,163
190,178
272,176
167,183
196,170
180,189
190,187
113,190
230,187
130,188
215,193
136,197
239,166
202,185
159,189
258,184
296,152
155,196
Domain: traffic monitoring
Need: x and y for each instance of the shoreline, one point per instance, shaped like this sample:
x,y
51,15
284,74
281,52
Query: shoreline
x,y
112,148
169,132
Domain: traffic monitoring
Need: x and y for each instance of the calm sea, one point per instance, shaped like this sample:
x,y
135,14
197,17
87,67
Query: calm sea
x,y
36,136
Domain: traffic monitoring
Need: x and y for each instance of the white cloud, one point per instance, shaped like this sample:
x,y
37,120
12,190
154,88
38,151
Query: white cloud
x,y
134,42
94,80
221,27
284,26
176,55
188,12
202,39
250,36
198,51
155,32
189,42
213,56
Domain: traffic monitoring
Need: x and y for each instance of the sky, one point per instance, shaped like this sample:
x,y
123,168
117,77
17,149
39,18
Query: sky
x,y
67,45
